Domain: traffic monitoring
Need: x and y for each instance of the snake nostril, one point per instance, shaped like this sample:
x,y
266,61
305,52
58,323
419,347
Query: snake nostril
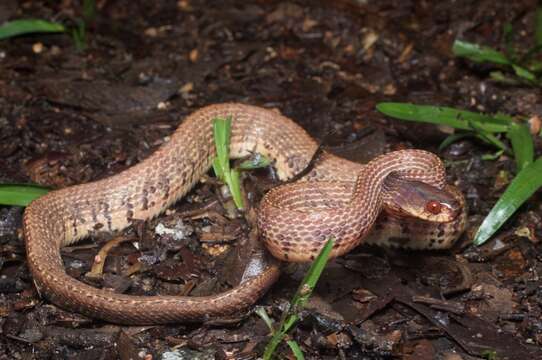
x,y
434,207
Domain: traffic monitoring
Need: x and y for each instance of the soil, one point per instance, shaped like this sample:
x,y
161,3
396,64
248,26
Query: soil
x,y
71,115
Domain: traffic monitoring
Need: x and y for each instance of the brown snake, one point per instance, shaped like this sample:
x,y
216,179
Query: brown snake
x,y
336,198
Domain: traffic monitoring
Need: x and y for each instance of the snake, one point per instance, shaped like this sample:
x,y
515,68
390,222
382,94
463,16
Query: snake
x,y
402,196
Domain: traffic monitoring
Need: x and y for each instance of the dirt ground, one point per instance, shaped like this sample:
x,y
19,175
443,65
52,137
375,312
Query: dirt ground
x,y
69,116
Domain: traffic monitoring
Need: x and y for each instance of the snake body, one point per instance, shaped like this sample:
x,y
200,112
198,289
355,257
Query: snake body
x,y
337,198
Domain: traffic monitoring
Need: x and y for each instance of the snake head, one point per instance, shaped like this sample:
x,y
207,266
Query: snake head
x,y
420,200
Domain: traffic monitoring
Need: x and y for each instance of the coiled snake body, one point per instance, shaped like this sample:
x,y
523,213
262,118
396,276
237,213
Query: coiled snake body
x,y
337,198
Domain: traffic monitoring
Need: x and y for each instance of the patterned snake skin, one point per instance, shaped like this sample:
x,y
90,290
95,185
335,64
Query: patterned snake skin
x,y
336,198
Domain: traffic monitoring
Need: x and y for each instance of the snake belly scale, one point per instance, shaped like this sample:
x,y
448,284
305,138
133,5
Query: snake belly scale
x,y
336,198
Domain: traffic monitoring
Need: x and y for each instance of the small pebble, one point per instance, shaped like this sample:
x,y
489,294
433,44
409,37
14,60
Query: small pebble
x,y
38,48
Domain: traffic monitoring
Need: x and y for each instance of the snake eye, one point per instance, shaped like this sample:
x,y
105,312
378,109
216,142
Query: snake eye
x,y
434,207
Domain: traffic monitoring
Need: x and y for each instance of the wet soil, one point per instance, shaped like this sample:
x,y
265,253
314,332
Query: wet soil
x,y
70,116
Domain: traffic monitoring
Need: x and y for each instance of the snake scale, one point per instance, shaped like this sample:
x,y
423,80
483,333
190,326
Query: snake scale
x,y
336,198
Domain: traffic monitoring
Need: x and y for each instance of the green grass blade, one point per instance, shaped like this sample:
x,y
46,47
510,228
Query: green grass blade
x,y
478,53
522,144
300,298
450,139
459,119
221,164
260,311
272,345
489,354
19,194
538,26
524,73
79,35
234,183
257,161
29,26
536,66
311,278
489,138
296,350
217,168
520,189
222,131
500,77
492,157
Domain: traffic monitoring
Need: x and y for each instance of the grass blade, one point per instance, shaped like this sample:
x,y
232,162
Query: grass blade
x,y
500,77
527,181
494,156
299,300
221,164
222,131
296,350
450,139
522,144
478,53
29,26
524,73
19,194
79,35
260,311
234,183
311,278
459,119
257,161
217,168
489,138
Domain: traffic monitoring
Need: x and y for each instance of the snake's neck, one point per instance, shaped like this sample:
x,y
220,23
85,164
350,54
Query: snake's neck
x,y
369,191
368,198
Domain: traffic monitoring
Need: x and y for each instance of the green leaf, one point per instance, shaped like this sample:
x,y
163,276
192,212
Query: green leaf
x,y
450,139
535,66
524,73
526,182
257,161
522,144
217,168
260,311
494,156
79,35
221,131
500,77
234,183
221,164
489,354
19,194
478,53
290,317
296,350
459,119
489,138
29,26
311,278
